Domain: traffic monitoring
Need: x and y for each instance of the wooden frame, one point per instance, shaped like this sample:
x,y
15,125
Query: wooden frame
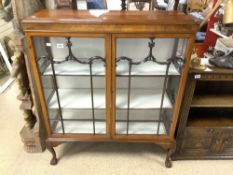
x,y
165,142
40,89
110,26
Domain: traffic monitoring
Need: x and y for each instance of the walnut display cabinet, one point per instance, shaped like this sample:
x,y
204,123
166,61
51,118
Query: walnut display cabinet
x,y
110,75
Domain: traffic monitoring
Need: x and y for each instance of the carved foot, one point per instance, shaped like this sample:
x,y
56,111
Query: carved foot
x,y
53,161
52,151
168,161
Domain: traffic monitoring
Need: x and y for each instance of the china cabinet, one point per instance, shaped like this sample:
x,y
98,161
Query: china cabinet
x,y
110,75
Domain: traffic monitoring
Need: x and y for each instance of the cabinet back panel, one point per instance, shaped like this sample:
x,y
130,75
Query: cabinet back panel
x,y
214,87
138,48
57,46
140,82
210,117
74,82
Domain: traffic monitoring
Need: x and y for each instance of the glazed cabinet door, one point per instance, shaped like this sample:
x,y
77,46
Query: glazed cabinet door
x,y
147,73
73,81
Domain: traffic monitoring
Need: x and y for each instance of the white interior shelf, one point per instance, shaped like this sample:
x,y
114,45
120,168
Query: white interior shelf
x,y
81,99
147,68
100,114
140,128
86,127
142,99
78,99
98,68
75,68
82,127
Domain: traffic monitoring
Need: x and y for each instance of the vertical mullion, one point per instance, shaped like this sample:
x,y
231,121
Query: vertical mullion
x,y
129,92
92,97
57,94
162,99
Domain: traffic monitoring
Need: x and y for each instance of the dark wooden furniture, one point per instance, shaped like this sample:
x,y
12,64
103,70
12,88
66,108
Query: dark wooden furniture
x,y
110,76
72,4
205,129
140,4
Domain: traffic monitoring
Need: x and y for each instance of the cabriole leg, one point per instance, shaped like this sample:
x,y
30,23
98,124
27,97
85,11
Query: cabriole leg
x,y
52,151
168,161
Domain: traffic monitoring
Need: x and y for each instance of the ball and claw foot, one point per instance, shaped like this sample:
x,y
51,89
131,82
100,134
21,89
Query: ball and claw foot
x,y
53,161
168,163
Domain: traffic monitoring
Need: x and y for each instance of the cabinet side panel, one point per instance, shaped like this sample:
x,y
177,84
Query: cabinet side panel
x,y
38,82
183,79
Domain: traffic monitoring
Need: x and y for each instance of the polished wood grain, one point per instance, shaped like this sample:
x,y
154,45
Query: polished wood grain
x,y
180,91
36,77
110,22
39,85
183,80
110,17
108,84
113,87
110,25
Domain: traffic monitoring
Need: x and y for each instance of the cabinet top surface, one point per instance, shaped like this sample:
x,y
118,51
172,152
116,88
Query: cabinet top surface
x,y
110,18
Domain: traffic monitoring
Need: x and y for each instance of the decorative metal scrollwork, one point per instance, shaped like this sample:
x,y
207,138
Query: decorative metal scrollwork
x,y
70,57
151,57
178,62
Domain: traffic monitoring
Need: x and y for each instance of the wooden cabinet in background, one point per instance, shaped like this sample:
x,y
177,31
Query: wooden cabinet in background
x,y
110,76
205,129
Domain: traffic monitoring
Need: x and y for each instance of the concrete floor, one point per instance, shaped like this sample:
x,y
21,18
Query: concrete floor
x,y
88,158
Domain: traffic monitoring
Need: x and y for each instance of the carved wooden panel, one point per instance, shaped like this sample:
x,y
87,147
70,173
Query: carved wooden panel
x,y
206,142
222,77
205,130
220,139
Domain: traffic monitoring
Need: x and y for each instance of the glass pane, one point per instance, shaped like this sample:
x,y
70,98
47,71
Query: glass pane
x,y
148,74
73,77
